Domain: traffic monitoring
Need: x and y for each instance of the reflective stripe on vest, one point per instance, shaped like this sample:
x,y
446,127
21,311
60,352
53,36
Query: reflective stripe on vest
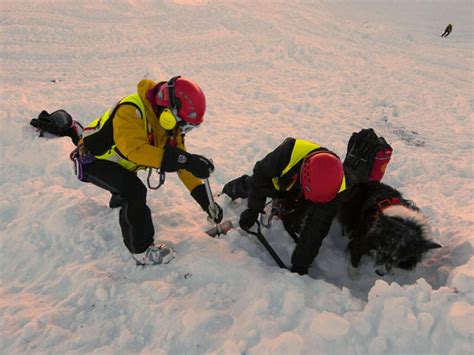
x,y
301,149
112,154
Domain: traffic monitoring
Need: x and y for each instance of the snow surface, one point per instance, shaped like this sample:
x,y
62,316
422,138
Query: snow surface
x,y
270,69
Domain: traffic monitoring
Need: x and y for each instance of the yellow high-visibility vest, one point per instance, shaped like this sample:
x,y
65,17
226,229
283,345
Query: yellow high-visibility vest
x,y
301,149
113,154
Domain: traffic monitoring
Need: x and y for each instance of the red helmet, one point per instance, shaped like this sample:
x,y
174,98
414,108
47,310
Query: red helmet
x,y
321,177
184,97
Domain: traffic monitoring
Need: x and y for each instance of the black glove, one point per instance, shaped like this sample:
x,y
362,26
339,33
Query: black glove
x,y
175,158
199,166
200,195
56,123
248,219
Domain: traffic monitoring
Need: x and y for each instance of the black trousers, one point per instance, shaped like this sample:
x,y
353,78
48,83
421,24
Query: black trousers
x,y
446,33
135,216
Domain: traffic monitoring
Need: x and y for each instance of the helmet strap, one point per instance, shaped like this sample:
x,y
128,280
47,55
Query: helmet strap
x,y
171,92
168,123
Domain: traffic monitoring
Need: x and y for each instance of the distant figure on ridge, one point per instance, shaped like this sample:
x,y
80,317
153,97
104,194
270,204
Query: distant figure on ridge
x,y
447,31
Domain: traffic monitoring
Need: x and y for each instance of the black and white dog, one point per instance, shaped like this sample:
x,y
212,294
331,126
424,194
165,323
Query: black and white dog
x,y
376,218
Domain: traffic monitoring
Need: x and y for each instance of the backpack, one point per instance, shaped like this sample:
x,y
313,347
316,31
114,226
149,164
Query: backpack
x,y
367,155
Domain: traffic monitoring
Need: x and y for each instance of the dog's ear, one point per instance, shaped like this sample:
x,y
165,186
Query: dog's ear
x,y
431,245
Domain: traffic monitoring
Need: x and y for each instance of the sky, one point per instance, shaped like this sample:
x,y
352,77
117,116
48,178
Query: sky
x,y
316,70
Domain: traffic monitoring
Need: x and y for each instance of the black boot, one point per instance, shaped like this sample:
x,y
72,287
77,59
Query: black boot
x,y
115,201
237,188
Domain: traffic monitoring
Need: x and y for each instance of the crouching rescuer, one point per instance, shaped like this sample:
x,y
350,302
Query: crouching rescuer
x,y
146,130
304,181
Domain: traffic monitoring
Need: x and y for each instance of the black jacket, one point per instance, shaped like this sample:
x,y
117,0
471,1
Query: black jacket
x,y
314,219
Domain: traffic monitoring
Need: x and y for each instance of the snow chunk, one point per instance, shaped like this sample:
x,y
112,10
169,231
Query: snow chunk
x,y
378,345
425,322
397,317
101,294
462,278
329,326
285,343
461,317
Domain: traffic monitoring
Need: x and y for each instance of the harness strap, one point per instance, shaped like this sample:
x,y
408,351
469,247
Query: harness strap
x,y
385,203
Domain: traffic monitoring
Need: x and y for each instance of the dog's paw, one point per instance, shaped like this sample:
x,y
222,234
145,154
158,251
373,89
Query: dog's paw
x,y
353,272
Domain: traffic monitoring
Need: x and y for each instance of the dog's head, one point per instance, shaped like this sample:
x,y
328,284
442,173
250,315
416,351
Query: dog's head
x,y
401,235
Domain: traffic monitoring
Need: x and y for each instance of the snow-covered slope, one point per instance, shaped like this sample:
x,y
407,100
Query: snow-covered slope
x,y
270,69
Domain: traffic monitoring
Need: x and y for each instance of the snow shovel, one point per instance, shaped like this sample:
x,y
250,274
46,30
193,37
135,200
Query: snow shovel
x,y
267,246
220,228
224,227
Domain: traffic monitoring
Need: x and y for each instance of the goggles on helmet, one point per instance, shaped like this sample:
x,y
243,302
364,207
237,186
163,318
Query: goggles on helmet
x,y
186,126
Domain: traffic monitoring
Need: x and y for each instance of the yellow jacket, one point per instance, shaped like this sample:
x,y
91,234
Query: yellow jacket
x,y
131,137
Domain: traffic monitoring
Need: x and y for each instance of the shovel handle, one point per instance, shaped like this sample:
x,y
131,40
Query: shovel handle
x,y
267,246
209,192
212,205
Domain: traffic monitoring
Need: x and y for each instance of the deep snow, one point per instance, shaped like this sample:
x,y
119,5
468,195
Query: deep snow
x,y
270,69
